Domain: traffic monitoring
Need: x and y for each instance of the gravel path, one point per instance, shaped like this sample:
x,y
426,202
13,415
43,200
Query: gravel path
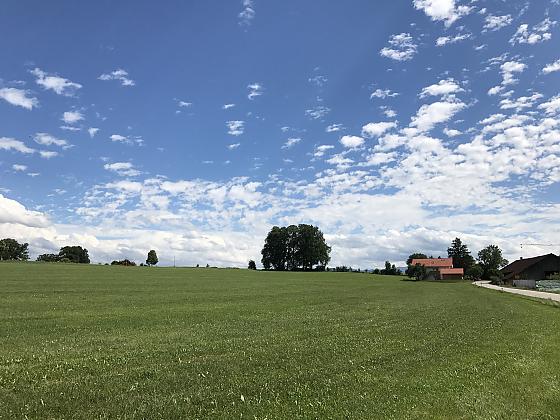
x,y
532,293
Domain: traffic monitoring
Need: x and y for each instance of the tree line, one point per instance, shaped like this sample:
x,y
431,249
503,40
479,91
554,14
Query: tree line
x,y
12,250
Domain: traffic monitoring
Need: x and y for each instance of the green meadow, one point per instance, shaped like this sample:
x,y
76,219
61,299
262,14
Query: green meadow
x,y
96,342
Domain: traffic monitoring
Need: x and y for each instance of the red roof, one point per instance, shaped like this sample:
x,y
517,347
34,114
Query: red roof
x,y
444,271
434,262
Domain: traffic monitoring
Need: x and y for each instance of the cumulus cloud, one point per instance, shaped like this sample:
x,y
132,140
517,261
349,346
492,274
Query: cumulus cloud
x,y
333,128
233,146
552,106
12,212
118,138
383,93
119,75
493,23
317,112
430,115
236,127
444,40
291,142
72,117
19,168
351,142
48,140
377,129
536,34
92,131
47,154
8,143
508,70
228,106
402,47
122,169
552,67
57,84
442,10
322,149
19,97
442,88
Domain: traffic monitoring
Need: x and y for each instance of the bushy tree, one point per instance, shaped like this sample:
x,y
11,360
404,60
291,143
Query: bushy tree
x,y
474,272
48,258
414,256
417,272
12,250
74,254
125,262
152,258
461,255
390,269
294,247
252,265
491,261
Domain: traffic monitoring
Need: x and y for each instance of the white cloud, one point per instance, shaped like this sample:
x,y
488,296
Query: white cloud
x,y
552,67
247,15
508,69
377,129
228,106
402,47
493,23
233,146
383,93
340,161
318,80
117,138
430,115
122,168
442,88
520,103
47,154
538,33
48,140
119,75
183,104
291,142
235,128
57,84
322,149
334,128
444,40
19,168
255,90
442,10
19,97
351,141
92,131
318,112
8,143
552,106
72,117
449,132
12,212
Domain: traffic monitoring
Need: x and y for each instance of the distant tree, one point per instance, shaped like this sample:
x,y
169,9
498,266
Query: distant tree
x,y
48,258
474,272
125,262
152,258
74,254
390,269
252,265
461,255
12,250
294,247
491,261
376,271
417,272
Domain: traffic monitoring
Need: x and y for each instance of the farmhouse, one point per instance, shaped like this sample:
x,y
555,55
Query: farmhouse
x,y
439,268
526,271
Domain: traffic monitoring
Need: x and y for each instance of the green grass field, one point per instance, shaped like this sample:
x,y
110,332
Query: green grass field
x,y
117,342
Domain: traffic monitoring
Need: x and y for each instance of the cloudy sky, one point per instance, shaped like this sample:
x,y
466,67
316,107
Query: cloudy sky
x,y
193,127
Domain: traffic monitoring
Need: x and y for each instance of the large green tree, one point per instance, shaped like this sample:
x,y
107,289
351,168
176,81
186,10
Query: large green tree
x,y
410,270
12,250
491,261
461,255
74,254
152,258
294,247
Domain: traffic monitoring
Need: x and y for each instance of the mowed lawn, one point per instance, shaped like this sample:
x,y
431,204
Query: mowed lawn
x,y
116,342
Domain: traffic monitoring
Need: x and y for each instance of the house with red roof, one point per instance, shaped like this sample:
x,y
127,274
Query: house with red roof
x,y
439,268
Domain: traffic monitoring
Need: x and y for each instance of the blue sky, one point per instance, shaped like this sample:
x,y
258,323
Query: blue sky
x,y
194,127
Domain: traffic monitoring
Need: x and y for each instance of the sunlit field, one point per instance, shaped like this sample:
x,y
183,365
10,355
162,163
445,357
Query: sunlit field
x,y
132,342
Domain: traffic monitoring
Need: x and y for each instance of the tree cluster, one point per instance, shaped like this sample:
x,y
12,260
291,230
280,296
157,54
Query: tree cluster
x,y
294,248
71,254
125,262
12,250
